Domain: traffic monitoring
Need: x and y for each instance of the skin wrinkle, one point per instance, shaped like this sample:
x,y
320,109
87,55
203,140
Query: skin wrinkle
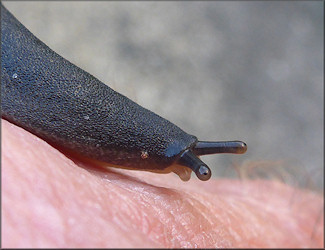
x,y
179,221
130,208
161,216
114,213
253,204
185,224
208,218
206,210
290,222
317,224
227,222
169,213
133,213
172,222
214,219
98,207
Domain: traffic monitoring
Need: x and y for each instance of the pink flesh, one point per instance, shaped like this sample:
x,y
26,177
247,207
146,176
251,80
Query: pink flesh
x,y
48,200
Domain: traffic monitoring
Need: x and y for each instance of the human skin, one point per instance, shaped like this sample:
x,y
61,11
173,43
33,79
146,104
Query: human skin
x,y
50,199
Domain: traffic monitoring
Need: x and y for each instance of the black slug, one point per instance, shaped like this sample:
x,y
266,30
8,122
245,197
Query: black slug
x,y
66,106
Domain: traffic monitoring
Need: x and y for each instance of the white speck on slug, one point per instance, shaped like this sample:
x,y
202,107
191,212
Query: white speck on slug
x,y
14,75
144,154
86,117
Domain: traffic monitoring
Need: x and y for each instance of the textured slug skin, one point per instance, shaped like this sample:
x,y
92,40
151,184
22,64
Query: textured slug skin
x,y
61,103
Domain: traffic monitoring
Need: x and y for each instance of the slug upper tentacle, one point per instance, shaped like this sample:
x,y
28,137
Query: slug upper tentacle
x,y
66,106
219,147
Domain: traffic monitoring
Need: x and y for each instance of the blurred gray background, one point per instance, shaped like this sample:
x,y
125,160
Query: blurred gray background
x,y
251,71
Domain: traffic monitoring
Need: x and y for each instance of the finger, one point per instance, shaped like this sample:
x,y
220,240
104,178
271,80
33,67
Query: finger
x,y
51,201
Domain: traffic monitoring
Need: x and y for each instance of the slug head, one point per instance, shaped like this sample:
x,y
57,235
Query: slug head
x,y
190,160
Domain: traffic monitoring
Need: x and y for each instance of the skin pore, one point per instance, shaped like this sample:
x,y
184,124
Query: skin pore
x,y
51,200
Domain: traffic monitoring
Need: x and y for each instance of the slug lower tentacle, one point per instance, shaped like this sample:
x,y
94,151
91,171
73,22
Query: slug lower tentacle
x,y
68,107
189,159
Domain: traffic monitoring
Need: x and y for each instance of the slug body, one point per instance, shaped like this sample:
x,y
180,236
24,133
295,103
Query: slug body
x,y
61,103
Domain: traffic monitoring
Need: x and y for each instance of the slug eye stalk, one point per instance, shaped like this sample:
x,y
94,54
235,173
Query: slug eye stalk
x,y
219,147
190,157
